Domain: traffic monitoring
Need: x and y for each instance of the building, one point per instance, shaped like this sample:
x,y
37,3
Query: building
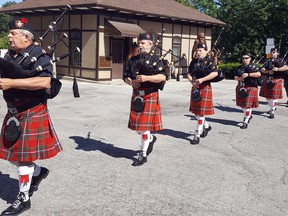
x,y
105,30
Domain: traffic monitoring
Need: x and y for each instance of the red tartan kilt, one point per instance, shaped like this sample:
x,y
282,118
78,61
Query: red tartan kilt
x,y
205,106
274,93
251,101
150,118
38,139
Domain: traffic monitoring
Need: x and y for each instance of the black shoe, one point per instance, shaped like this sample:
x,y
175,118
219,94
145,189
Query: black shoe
x,y
205,131
18,206
36,180
151,145
195,141
140,161
250,119
244,126
271,116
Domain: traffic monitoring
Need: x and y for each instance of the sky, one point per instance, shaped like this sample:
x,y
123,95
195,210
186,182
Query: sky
x,y
4,1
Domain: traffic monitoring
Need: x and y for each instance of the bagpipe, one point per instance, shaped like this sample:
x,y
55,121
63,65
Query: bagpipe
x,y
244,69
150,64
212,62
22,69
205,66
214,52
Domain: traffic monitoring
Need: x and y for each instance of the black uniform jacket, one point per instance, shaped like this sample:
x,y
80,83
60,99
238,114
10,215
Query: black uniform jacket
x,y
145,65
14,94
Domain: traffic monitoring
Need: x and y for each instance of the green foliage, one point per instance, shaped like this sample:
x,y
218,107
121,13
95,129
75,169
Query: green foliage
x,y
4,20
4,42
185,2
229,69
249,24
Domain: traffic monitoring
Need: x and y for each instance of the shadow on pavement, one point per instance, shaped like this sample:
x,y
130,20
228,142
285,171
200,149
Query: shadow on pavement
x,y
9,188
175,134
220,121
87,144
227,108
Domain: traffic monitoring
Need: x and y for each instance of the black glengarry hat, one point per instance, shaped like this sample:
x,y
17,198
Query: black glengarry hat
x,y
201,45
145,36
20,24
274,50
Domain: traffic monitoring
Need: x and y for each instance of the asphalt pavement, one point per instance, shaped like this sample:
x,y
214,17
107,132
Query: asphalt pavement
x,y
232,172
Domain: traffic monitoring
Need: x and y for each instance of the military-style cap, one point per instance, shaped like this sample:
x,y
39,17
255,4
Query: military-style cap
x,y
274,50
201,45
20,24
145,36
248,54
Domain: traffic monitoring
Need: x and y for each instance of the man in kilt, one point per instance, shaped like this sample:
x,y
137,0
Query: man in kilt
x,y
247,88
145,73
27,132
201,71
274,69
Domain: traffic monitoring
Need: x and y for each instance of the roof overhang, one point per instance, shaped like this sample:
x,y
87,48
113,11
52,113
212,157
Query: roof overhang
x,y
88,8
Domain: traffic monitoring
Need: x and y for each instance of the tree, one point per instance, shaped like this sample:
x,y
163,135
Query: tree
x,y
249,24
4,20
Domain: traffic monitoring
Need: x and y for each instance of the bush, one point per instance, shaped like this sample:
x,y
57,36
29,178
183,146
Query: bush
x,y
4,42
229,69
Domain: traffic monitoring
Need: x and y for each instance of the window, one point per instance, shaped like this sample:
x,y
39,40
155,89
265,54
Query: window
x,y
74,42
176,47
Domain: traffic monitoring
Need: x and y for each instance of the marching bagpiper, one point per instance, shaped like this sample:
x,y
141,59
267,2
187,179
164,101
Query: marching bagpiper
x,y
27,132
201,71
146,74
272,88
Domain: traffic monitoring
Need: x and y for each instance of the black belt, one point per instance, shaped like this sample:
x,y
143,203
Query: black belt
x,y
143,92
24,107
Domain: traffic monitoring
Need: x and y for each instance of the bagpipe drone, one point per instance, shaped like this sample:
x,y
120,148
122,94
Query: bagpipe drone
x,y
22,69
150,64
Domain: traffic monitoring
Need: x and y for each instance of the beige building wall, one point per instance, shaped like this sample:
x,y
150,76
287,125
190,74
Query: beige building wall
x,y
75,21
89,49
93,35
152,27
89,22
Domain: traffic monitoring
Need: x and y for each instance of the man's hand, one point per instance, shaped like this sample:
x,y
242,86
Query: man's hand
x,y
141,78
196,83
135,84
5,83
275,69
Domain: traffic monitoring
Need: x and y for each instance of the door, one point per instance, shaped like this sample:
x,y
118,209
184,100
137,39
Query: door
x,y
117,53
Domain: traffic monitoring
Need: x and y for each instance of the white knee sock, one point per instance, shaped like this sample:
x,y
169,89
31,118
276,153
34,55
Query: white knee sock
x,y
272,104
25,175
145,140
206,125
199,125
247,114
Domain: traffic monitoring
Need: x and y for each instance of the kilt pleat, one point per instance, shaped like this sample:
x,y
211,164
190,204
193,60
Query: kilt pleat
x,y
274,93
38,139
205,106
251,101
150,118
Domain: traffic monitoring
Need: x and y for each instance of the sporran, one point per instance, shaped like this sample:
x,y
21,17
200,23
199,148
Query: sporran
x,y
270,84
138,104
196,96
243,93
12,130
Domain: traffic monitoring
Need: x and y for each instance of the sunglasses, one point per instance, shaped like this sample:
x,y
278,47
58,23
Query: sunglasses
x,y
245,57
273,52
